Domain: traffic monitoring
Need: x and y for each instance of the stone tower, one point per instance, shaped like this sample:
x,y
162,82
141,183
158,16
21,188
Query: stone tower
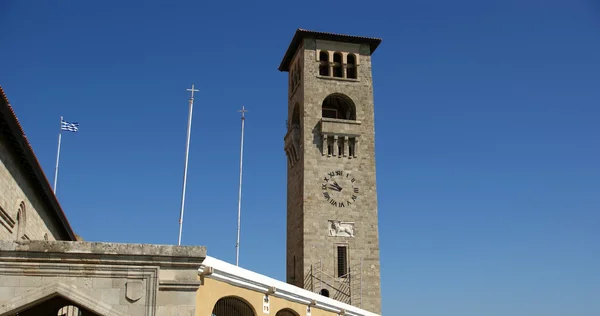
x,y
332,225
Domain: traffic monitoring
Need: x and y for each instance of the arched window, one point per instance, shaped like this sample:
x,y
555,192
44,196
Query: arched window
x,y
337,65
296,75
338,106
69,310
324,292
232,306
296,115
324,63
351,66
21,221
286,312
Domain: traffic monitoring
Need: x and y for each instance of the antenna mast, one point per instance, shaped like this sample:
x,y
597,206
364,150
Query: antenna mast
x,y
237,244
185,168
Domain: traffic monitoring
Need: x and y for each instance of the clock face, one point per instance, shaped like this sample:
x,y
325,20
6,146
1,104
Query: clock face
x,y
340,188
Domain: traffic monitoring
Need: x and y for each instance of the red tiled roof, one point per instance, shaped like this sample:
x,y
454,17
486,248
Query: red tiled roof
x,y
10,125
301,34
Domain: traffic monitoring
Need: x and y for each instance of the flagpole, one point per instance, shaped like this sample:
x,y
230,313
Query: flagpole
x,y
237,244
57,155
185,168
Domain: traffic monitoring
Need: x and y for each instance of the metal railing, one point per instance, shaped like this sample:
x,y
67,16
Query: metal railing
x,y
346,288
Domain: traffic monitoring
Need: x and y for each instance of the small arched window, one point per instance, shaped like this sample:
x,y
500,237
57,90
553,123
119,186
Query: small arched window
x,y
324,292
286,312
21,221
296,115
69,310
232,305
351,66
337,65
324,63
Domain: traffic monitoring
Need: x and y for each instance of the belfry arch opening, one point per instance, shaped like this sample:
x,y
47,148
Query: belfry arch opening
x,y
232,305
338,106
351,66
324,63
337,65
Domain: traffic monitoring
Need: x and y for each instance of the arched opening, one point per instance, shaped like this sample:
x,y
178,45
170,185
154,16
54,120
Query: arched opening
x,y
337,65
296,115
286,312
21,221
324,63
351,66
324,292
69,310
294,76
232,306
338,106
57,306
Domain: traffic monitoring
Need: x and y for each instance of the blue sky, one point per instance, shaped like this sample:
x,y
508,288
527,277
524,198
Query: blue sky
x,y
486,127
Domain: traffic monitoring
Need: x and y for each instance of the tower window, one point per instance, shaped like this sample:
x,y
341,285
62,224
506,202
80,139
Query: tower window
x,y
324,292
324,63
342,261
339,107
351,66
337,65
351,147
296,115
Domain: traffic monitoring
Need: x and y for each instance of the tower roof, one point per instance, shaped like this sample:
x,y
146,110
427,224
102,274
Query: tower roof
x,y
301,34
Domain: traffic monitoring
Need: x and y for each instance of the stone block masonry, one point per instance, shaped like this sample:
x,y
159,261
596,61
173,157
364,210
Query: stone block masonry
x,y
19,195
110,278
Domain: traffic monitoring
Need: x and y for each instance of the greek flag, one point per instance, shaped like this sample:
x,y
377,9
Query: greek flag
x,y
71,127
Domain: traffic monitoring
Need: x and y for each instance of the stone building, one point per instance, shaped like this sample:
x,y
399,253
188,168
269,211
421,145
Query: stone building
x,y
332,221
46,269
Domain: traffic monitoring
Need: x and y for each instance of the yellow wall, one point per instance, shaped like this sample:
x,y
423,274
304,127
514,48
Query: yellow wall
x,y
212,290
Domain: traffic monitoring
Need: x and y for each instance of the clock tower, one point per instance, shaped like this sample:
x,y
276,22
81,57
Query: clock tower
x,y
332,221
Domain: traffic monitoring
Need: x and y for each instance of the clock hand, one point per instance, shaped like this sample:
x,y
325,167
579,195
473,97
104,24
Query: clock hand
x,y
337,186
332,187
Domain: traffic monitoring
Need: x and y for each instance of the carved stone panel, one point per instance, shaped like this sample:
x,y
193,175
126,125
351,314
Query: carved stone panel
x,y
135,290
341,229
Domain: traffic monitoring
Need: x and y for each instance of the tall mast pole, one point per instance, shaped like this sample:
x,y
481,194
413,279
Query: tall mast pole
x,y
237,244
57,156
185,168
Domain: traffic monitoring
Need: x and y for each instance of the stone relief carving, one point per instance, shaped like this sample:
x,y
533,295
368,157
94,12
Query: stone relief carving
x,y
134,290
341,229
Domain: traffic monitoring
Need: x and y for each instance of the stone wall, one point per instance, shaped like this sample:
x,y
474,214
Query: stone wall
x,y
17,192
106,278
294,218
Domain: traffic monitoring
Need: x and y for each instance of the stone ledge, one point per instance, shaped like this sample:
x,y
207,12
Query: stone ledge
x,y
174,285
103,248
340,127
337,78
